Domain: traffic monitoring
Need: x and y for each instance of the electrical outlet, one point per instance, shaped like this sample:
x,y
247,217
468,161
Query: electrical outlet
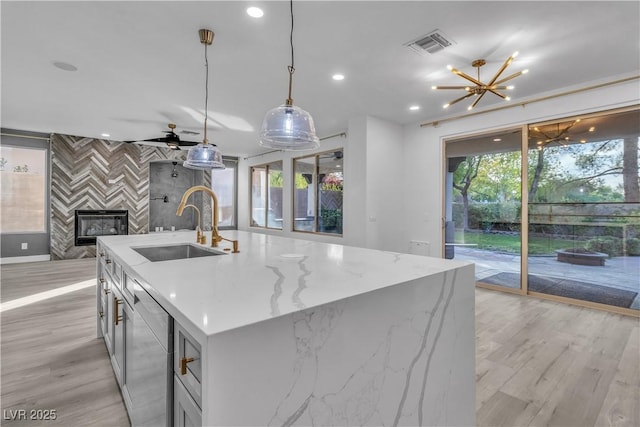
x,y
24,246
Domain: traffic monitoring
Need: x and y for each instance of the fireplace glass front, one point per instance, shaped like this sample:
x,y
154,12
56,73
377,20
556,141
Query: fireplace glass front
x,y
93,223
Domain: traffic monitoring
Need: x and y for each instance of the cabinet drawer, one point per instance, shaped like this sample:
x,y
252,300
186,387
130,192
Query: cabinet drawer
x,y
185,411
187,363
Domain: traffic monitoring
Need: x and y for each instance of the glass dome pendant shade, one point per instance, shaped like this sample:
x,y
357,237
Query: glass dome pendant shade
x,y
205,155
288,127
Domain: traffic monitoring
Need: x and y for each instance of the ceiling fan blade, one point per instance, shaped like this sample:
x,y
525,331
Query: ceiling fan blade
x,y
466,76
188,143
458,100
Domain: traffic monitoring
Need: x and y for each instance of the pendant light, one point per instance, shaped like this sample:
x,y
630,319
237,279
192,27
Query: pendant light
x,y
205,155
289,127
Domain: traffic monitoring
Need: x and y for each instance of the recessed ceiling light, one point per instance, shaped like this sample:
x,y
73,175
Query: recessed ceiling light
x,y
338,77
106,135
255,12
65,66
414,108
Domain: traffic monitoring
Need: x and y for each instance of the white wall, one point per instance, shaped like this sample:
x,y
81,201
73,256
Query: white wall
x,y
373,198
423,151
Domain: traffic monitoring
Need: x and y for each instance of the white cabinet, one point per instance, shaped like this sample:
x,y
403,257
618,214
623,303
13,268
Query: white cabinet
x,y
187,363
185,411
119,324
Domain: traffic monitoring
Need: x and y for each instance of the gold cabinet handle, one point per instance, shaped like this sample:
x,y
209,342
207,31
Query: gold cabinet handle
x,y
116,318
183,364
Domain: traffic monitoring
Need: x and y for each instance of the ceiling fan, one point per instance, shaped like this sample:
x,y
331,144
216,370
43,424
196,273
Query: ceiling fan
x,y
171,140
479,88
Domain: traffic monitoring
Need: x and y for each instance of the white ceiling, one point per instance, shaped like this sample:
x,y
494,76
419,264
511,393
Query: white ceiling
x,y
141,65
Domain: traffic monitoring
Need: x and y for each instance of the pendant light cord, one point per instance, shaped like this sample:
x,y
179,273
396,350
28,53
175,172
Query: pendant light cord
x,y
206,93
291,68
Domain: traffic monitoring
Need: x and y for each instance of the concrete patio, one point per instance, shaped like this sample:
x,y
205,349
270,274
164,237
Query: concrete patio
x,y
618,272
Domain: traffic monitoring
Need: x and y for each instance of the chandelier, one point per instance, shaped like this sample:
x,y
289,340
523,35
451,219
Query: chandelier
x,y
479,88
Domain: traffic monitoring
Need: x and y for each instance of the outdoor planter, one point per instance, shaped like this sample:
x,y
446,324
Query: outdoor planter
x,y
581,256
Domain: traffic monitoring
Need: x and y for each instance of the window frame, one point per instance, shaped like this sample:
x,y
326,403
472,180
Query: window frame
x,y
266,167
46,177
316,198
228,162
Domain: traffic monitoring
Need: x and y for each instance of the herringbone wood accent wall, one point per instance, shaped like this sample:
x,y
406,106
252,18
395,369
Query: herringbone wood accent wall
x,y
81,169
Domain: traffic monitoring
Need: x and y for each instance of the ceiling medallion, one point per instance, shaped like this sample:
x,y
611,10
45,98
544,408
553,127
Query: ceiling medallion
x,y
480,88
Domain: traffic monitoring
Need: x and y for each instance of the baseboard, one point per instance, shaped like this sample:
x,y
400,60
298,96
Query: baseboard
x,y
19,259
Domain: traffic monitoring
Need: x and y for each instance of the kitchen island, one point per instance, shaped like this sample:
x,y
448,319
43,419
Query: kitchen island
x,y
293,332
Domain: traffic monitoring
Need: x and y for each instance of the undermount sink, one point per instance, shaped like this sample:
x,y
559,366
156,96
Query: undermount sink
x,y
168,253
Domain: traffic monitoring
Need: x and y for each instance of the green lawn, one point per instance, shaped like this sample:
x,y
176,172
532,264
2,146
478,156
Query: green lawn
x,y
511,243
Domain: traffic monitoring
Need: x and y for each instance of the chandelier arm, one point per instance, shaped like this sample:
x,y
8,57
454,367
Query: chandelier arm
x,y
459,99
451,87
477,100
512,76
501,70
466,76
495,92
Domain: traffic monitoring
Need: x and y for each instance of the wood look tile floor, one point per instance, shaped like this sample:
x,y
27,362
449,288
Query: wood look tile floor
x,y
538,363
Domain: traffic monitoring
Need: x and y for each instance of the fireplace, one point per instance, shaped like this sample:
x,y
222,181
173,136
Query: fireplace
x,y
92,223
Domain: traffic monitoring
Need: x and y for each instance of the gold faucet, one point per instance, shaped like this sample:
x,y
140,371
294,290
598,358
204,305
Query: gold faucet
x,y
200,238
215,236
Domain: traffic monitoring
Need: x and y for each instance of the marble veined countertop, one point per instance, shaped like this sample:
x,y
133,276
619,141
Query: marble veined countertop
x,y
271,276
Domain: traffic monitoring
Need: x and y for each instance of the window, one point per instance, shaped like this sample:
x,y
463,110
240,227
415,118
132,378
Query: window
x,y
24,190
266,195
224,184
317,195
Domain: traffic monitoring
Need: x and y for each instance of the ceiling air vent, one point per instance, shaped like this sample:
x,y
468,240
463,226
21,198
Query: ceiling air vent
x,y
431,43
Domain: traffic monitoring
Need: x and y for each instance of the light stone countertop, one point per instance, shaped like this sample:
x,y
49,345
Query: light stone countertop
x,y
270,277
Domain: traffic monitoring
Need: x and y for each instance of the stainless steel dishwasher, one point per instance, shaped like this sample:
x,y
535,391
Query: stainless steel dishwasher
x,y
149,379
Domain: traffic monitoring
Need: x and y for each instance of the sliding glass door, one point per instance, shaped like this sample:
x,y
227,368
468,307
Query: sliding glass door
x,y
483,199
584,210
580,201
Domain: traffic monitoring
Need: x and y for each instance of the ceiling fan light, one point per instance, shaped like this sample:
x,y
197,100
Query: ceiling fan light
x,y
525,71
446,106
290,128
506,98
516,53
434,87
204,156
510,87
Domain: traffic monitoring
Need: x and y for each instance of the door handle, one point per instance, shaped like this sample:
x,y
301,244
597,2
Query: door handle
x,y
183,364
116,318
